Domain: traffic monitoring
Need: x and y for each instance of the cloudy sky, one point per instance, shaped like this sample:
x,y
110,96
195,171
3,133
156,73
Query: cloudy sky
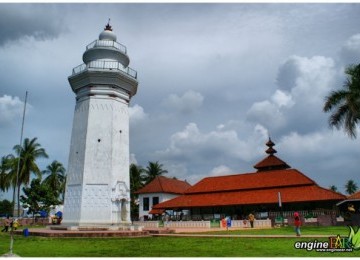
x,y
215,80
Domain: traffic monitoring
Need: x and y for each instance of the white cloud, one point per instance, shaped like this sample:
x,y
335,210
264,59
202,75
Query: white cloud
x,y
303,84
133,159
271,112
187,103
221,170
266,113
215,146
10,109
319,144
314,79
137,114
328,157
261,132
282,99
297,144
177,170
350,52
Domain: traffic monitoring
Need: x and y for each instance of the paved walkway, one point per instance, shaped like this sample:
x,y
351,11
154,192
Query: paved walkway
x,y
185,232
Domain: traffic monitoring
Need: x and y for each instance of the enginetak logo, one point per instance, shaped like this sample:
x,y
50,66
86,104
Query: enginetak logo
x,y
334,244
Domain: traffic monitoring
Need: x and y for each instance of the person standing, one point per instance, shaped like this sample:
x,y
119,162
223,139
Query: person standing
x,y
297,223
15,224
7,223
251,219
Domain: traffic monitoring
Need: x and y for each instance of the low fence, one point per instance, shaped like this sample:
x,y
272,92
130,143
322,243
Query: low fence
x,y
264,223
29,221
305,213
187,224
320,220
261,223
173,224
147,224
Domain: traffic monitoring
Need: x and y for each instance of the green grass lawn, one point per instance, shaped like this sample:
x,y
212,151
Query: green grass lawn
x,y
289,230
173,246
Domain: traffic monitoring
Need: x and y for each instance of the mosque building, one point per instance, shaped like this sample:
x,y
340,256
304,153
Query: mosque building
x,y
274,188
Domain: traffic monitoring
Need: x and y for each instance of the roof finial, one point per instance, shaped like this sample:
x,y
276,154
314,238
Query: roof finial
x,y
108,26
270,150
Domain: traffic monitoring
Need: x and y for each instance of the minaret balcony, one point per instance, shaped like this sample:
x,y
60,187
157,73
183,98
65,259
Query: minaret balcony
x,y
106,44
105,65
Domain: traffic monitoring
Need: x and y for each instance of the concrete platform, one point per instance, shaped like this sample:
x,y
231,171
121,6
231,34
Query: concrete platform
x,y
94,231
44,232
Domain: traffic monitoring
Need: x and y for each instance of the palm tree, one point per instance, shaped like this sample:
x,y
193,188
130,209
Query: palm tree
x,y
136,183
5,172
8,174
62,191
351,187
346,102
153,170
56,177
28,153
333,188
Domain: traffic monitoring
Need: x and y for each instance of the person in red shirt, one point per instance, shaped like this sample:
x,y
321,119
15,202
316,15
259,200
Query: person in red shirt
x,y
297,223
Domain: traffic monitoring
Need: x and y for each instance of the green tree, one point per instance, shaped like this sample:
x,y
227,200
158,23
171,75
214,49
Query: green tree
x,y
39,196
136,180
8,175
6,207
55,177
28,153
136,183
5,170
153,170
351,187
333,188
346,102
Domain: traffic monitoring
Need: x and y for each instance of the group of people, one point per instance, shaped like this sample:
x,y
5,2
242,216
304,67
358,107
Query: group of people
x,y
9,223
297,222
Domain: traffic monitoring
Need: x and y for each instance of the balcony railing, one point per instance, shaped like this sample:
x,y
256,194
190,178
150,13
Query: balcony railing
x,y
106,43
105,65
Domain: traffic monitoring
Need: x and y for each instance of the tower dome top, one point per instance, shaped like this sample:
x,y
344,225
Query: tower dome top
x,y
108,33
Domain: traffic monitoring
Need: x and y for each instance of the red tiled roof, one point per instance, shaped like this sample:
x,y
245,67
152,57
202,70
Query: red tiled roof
x,y
350,198
246,181
270,163
165,185
247,197
354,196
156,211
261,187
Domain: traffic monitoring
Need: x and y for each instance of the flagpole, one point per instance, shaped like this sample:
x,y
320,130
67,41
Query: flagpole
x,y
280,206
17,177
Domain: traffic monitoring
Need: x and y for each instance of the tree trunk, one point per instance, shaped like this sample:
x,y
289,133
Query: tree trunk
x,y
14,199
18,201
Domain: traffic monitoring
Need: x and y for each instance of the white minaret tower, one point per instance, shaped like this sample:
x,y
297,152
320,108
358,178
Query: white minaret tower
x,y
98,182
